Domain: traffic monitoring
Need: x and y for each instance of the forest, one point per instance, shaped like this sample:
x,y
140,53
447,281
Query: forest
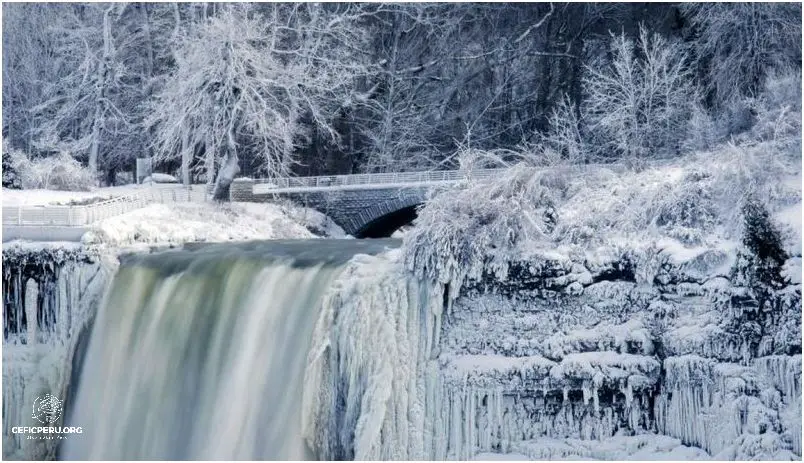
x,y
213,91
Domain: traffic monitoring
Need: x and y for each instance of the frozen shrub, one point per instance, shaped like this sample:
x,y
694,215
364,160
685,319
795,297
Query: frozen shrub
x,y
736,118
778,109
687,213
564,134
763,242
702,131
58,172
10,177
462,233
756,307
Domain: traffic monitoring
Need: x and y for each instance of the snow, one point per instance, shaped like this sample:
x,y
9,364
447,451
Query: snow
x,y
601,337
210,222
495,371
157,177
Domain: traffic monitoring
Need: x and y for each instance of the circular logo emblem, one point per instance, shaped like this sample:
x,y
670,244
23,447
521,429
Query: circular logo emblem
x,y
46,409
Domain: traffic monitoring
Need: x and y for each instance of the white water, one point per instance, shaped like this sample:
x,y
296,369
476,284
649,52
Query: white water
x,y
201,355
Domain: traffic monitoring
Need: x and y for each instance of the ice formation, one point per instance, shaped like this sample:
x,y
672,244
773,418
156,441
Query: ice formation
x,y
643,361
50,295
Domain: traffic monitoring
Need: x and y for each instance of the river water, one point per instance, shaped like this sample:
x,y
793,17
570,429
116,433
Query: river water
x,y
200,353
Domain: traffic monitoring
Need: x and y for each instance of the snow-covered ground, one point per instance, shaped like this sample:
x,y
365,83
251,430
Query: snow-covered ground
x,y
175,223
210,222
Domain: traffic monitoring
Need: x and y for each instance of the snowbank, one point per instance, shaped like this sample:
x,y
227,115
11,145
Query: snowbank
x,y
210,222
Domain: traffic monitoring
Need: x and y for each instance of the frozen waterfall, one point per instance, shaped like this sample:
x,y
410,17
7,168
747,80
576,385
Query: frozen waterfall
x,y
201,354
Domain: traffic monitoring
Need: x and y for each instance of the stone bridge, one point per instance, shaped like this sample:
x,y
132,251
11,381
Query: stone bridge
x,y
364,205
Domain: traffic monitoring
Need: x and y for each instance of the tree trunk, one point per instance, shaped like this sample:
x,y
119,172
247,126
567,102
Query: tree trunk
x,y
209,162
186,154
103,71
149,49
229,169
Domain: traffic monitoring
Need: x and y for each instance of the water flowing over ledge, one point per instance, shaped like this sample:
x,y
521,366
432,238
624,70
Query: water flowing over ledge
x,y
200,353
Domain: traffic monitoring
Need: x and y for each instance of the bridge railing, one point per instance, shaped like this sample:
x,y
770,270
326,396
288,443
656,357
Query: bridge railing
x,y
375,179
85,214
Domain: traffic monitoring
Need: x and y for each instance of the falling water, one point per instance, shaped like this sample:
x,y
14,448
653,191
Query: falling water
x,y
200,353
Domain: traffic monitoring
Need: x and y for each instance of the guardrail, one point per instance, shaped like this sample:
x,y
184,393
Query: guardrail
x,y
85,214
353,180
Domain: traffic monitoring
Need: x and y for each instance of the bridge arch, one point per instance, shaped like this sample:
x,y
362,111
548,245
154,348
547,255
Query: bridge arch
x,y
383,218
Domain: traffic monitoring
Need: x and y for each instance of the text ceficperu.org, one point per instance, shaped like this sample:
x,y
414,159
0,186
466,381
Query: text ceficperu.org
x,y
46,430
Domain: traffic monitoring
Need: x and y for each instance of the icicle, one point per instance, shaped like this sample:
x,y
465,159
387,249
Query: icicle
x,y
585,388
31,306
629,393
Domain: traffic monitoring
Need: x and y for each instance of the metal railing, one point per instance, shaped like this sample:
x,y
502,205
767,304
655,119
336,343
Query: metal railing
x,y
402,178
85,214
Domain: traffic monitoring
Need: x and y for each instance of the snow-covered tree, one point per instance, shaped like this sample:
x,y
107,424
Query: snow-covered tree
x,y
564,134
79,106
29,67
737,44
637,105
243,81
758,305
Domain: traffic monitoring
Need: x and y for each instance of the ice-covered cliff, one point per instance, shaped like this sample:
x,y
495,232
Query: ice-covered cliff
x,y
50,294
586,354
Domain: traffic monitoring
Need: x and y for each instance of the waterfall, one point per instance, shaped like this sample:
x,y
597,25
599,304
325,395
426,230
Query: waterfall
x,y
201,354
